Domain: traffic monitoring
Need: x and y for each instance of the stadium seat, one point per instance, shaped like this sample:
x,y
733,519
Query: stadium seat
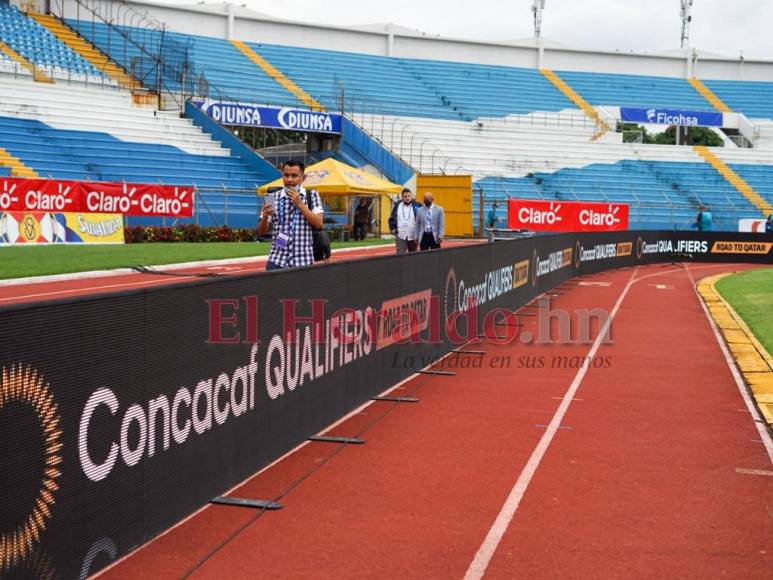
x,y
43,49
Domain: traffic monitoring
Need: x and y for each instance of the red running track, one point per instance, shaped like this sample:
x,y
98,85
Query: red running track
x,y
639,478
81,286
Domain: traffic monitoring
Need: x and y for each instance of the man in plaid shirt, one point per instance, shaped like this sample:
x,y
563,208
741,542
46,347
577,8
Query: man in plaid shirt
x,y
291,220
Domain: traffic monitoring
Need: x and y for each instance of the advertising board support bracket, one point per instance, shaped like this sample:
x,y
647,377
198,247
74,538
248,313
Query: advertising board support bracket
x,y
258,504
396,399
330,439
674,264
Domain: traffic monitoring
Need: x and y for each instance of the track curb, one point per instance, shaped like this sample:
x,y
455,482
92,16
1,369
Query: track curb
x,y
752,359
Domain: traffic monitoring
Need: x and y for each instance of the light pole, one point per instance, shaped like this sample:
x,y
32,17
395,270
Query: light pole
x,y
684,12
536,9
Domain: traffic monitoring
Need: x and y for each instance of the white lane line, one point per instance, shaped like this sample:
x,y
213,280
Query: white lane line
x,y
754,471
486,551
750,406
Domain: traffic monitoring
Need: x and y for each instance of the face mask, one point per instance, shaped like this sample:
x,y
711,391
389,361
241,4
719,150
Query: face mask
x,y
427,202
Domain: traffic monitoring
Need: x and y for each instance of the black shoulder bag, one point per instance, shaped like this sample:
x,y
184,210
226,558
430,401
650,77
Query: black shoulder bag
x,y
320,238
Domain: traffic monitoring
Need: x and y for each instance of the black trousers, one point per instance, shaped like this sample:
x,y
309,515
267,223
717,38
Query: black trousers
x,y
428,242
359,231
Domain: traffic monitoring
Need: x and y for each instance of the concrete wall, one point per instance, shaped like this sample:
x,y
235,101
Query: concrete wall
x,y
213,20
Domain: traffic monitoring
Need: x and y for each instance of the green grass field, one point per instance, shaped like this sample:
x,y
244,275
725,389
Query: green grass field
x,y
19,262
751,294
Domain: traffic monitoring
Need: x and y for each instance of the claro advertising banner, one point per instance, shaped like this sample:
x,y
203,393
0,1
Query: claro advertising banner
x,y
132,199
566,216
122,414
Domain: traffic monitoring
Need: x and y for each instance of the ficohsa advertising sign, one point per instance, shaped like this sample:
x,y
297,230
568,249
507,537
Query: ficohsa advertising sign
x,y
563,216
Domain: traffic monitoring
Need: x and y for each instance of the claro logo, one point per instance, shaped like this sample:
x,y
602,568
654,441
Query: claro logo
x,y
589,217
189,412
528,215
22,386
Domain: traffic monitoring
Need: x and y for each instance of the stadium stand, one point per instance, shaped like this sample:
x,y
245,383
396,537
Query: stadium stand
x,y
62,132
635,91
419,88
427,88
753,99
550,156
661,194
424,88
485,90
229,74
38,46
517,131
85,49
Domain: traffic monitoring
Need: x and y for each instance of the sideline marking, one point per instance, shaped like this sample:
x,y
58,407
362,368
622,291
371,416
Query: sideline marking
x,y
739,382
754,471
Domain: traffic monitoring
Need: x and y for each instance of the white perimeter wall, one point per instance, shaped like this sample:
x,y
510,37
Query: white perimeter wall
x,y
213,20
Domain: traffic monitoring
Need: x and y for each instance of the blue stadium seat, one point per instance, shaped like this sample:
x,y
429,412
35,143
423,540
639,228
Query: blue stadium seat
x,y
753,99
635,90
229,74
477,90
759,177
38,45
364,83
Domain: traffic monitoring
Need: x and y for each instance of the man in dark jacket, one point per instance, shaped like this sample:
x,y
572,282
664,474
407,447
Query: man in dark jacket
x,y
361,219
402,223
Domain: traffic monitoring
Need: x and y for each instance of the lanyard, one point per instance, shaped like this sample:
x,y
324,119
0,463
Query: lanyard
x,y
406,211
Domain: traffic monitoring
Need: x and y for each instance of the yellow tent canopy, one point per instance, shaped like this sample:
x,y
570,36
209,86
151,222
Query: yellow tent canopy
x,y
333,177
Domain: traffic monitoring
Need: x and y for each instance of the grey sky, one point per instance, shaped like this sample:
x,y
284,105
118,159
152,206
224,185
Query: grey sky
x,y
720,26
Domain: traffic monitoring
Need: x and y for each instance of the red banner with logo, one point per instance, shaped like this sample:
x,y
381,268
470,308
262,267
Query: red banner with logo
x,y
133,199
566,216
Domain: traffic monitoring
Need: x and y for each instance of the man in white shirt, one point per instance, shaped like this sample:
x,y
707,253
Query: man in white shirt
x,y
402,223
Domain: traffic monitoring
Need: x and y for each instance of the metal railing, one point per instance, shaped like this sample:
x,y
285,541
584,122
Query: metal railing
x,y
398,132
13,69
